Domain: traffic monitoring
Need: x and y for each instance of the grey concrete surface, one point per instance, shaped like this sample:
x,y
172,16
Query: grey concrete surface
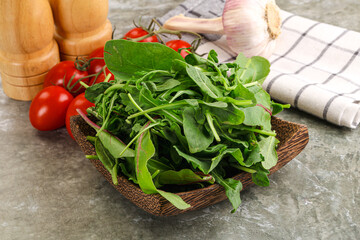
x,y
48,190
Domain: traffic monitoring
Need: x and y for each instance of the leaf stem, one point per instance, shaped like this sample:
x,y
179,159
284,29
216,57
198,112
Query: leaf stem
x,y
251,84
169,105
114,172
137,136
245,169
114,87
84,84
112,101
140,109
212,127
155,174
259,131
107,77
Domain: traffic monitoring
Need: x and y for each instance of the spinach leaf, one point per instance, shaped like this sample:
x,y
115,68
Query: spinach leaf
x,y
268,151
184,176
127,58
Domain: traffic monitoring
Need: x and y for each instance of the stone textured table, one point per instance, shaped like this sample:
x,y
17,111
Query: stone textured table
x,y
48,190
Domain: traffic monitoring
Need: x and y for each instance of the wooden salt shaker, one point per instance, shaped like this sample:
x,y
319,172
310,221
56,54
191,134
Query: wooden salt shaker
x,y
81,26
27,46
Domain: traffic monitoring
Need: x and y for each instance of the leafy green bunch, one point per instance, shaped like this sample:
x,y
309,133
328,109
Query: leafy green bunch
x,y
183,123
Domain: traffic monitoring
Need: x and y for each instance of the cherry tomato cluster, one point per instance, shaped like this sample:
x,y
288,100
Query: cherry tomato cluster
x,y
63,93
174,44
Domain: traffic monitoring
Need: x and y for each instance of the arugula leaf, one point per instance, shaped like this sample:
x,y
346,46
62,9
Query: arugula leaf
x,y
196,134
144,150
262,97
232,189
202,165
110,163
277,107
231,114
254,157
203,81
235,152
114,145
260,177
95,90
168,84
257,116
103,155
254,69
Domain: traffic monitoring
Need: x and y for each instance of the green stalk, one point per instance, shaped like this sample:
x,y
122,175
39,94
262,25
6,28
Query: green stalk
x,y
112,101
114,87
212,127
91,139
143,78
259,131
107,77
114,172
155,174
157,108
137,136
84,84
94,113
92,157
251,84
245,169
140,109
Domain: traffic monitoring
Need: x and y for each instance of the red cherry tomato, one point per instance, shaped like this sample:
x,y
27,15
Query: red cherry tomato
x,y
177,44
66,75
48,108
139,32
96,65
79,102
101,77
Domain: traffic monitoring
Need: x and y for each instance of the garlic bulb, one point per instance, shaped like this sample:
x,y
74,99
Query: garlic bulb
x,y
250,26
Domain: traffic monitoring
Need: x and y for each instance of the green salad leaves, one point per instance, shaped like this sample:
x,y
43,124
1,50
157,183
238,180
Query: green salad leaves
x,y
183,123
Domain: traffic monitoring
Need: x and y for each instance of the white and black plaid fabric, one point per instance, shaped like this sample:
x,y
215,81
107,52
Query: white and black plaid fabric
x,y
315,68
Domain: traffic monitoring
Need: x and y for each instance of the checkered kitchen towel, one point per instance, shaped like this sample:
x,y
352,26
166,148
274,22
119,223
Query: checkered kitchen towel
x,y
315,68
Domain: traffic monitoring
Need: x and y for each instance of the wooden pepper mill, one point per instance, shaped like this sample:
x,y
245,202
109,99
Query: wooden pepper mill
x,y
27,46
81,26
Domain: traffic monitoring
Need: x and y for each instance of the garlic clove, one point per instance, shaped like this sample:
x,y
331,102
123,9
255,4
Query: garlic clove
x,y
198,25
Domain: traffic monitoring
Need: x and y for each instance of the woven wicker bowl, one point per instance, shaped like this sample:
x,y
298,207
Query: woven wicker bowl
x,y
293,139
